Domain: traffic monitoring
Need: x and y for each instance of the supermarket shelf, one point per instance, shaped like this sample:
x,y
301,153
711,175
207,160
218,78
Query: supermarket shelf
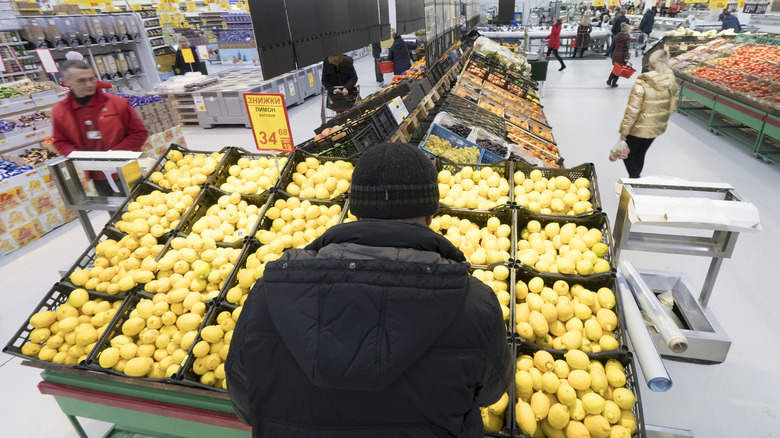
x,y
11,44
19,141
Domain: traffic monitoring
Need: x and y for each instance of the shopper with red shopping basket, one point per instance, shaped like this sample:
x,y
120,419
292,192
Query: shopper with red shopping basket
x,y
620,54
652,101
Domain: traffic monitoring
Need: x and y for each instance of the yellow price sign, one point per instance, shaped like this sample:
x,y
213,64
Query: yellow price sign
x,y
270,124
224,4
311,80
718,4
187,55
190,6
740,3
613,3
240,5
136,7
598,3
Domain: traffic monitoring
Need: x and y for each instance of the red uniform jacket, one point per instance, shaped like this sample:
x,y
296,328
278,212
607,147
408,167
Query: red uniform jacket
x,y
119,125
554,37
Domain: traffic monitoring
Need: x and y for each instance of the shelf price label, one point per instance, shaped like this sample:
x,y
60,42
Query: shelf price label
x,y
598,3
187,56
190,6
718,4
270,124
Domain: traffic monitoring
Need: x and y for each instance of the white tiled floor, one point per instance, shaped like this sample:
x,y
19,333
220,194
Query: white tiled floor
x,y
738,398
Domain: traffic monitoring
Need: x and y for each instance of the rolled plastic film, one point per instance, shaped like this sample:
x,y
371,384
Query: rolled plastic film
x,y
653,309
653,368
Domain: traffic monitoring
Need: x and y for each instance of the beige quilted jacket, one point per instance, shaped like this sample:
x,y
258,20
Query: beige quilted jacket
x,y
653,99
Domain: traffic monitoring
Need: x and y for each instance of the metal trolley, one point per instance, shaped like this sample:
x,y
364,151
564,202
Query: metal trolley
x,y
334,105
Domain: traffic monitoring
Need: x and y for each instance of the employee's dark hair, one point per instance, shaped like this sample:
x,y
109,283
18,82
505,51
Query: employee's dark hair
x,y
473,33
74,63
336,60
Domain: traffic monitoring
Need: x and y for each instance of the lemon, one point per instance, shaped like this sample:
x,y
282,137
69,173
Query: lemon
x,y
79,277
525,418
619,432
42,319
624,398
108,357
501,272
567,395
579,379
138,366
540,404
611,412
543,361
577,360
575,429
593,403
550,382
598,426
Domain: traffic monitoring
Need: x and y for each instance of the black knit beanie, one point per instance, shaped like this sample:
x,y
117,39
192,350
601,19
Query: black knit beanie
x,y
394,181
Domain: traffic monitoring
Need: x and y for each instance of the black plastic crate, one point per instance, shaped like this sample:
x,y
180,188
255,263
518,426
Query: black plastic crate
x,y
367,138
502,168
250,247
232,157
209,197
93,360
339,143
471,114
592,283
585,170
187,375
632,383
143,189
87,261
159,166
299,156
384,122
598,221
57,296
480,218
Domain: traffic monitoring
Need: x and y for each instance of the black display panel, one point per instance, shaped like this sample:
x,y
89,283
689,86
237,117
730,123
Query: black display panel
x,y
301,16
276,60
506,11
269,21
308,52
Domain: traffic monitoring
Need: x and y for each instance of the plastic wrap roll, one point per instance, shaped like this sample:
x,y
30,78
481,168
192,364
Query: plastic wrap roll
x,y
653,368
653,309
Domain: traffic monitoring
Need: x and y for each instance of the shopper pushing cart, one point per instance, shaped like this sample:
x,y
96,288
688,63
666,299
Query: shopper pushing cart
x,y
339,79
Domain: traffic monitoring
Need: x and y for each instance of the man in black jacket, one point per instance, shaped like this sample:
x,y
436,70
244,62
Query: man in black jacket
x,y
340,79
374,329
646,25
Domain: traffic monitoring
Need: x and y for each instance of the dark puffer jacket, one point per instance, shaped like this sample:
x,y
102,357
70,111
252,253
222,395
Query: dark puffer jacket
x,y
399,54
343,76
375,329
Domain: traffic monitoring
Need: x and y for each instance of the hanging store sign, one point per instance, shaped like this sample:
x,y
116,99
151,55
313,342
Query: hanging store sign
x,y
47,61
718,4
270,124
186,54
755,8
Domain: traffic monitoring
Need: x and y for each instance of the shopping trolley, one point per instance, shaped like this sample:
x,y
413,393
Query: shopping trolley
x,y
333,105
638,40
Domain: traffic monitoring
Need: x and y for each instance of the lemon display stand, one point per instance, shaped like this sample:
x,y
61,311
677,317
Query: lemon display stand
x,y
674,216
140,407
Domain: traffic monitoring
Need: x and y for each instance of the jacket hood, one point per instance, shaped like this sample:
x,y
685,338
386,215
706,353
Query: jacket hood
x,y
356,308
659,81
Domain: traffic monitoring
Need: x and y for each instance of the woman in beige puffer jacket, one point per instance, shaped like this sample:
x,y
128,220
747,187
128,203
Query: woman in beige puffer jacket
x,y
652,101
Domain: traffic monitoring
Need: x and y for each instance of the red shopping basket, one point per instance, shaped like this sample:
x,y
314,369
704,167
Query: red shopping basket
x,y
623,70
386,66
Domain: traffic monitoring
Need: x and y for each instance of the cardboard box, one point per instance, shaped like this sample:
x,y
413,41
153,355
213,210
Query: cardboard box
x,y
17,217
27,232
11,194
7,244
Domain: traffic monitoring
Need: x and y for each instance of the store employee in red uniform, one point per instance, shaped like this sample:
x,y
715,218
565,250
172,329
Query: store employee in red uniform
x,y
91,120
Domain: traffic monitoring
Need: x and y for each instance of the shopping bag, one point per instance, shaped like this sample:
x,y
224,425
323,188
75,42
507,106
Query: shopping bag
x,y
619,152
623,70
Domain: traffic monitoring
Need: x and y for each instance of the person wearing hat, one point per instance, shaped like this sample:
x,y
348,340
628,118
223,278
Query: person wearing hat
x,y
376,328
730,22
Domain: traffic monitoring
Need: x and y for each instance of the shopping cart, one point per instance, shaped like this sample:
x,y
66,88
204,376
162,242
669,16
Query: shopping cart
x,y
333,105
638,40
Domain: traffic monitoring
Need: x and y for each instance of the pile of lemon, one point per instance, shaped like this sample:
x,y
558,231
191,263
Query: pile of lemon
x,y
480,189
554,196
253,177
180,170
315,180
481,245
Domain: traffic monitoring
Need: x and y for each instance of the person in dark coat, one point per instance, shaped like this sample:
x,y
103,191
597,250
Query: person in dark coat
x,y
400,55
646,25
554,42
179,66
376,52
621,52
376,328
730,22
582,40
471,37
340,79
619,19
